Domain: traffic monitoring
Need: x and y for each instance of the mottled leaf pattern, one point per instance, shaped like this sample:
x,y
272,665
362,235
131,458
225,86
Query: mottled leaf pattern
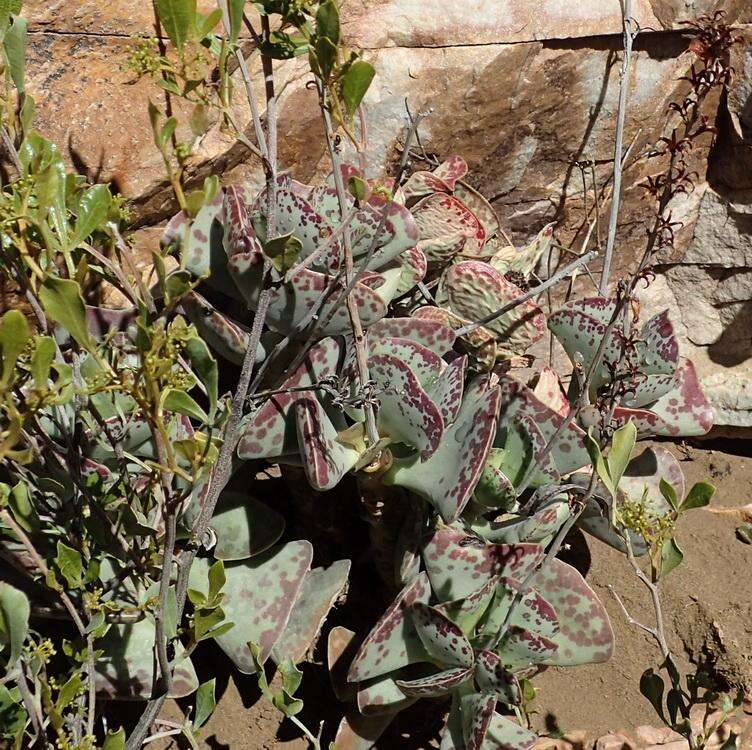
x,y
320,589
436,684
259,596
448,478
434,335
458,564
393,642
477,711
125,669
585,634
492,677
442,639
382,696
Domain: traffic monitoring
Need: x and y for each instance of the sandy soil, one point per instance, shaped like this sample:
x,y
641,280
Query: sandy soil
x,y
708,613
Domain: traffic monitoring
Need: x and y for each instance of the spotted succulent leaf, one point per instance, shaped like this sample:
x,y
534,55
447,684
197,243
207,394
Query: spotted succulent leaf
x,y
244,526
406,412
568,450
459,564
125,668
507,734
259,596
437,684
326,458
448,478
382,696
492,676
393,642
271,430
443,640
434,335
473,290
477,710
584,634
320,589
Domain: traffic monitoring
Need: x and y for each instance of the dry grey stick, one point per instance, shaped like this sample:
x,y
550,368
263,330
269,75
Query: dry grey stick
x,y
620,117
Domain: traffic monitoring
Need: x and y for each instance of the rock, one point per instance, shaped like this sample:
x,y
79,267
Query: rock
x,y
614,741
647,735
526,91
570,741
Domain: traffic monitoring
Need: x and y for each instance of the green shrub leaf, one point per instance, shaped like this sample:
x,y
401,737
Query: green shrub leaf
x,y
62,301
355,83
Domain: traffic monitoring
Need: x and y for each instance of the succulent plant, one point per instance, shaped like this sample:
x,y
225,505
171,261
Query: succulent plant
x,y
664,396
446,635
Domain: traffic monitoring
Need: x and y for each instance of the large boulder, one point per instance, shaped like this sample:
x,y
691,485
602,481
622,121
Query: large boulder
x,y
526,90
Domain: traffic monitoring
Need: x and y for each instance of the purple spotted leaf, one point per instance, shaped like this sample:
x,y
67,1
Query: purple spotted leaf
x,y
444,641
522,449
447,388
477,710
390,229
533,613
549,391
271,429
492,676
406,412
658,346
382,696
538,526
585,634
479,206
296,216
320,589
414,266
424,183
472,290
326,458
521,648
325,201
523,260
494,489
292,301
450,170
244,526
581,336
240,234
683,412
508,735
451,736
517,402
447,479
435,685
459,564
340,650
440,215
125,668
434,335
467,611
393,642
260,594
425,364
358,732
442,249
224,336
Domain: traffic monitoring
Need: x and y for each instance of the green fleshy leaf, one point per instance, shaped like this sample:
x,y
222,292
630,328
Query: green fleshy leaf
x,y
115,740
63,302
14,333
93,208
205,703
181,403
15,52
14,620
355,83
698,497
671,556
70,565
178,17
